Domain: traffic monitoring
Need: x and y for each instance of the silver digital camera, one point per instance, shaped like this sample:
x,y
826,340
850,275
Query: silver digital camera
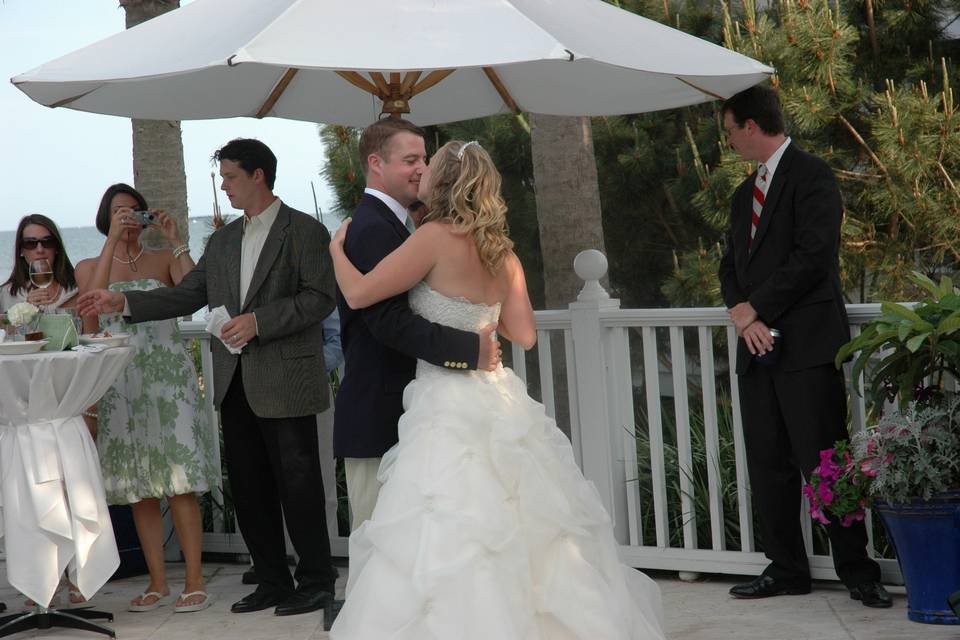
x,y
145,218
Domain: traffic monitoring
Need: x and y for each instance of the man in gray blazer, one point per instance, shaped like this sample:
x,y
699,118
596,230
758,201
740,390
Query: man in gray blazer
x,y
271,270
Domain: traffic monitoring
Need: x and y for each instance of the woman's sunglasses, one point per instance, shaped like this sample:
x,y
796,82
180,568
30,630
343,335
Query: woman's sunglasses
x,y
48,242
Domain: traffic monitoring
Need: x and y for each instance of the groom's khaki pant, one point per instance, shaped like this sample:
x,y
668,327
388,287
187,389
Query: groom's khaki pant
x,y
362,488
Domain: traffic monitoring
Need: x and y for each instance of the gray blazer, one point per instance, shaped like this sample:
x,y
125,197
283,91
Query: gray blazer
x,y
291,292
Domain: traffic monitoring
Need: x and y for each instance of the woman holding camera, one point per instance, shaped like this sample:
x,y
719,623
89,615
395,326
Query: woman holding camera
x,y
152,435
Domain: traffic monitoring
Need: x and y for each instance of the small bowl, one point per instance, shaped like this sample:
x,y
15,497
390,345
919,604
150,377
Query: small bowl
x,y
115,340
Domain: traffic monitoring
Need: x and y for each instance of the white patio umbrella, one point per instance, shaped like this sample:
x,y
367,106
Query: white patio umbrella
x,y
344,62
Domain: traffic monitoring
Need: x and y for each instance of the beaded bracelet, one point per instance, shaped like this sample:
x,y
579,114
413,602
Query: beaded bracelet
x,y
179,251
91,414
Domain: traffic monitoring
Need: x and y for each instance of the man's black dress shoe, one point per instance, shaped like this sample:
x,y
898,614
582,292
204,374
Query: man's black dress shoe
x,y
765,586
303,601
872,594
3,607
330,613
259,600
250,577
953,600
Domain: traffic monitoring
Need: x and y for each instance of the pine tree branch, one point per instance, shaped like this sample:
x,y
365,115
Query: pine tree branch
x,y
863,143
872,29
844,174
946,177
663,221
895,216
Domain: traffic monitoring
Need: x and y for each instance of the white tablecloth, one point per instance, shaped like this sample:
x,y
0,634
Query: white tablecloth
x,y
53,513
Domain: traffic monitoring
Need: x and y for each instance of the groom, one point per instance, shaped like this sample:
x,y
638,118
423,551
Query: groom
x,y
381,343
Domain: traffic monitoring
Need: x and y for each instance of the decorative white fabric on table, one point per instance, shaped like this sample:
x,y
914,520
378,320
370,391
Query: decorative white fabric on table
x,y
52,508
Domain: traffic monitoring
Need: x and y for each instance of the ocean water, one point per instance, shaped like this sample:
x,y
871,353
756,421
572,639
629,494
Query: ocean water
x,y
86,242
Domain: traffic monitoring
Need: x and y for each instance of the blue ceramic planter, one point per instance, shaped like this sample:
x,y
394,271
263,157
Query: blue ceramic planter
x,y
926,538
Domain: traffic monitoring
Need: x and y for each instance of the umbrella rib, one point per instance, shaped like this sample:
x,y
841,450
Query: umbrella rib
x,y
359,81
700,89
278,90
381,82
409,80
66,101
432,78
501,89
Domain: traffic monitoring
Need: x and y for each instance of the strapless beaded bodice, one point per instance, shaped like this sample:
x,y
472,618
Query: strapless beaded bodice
x,y
458,313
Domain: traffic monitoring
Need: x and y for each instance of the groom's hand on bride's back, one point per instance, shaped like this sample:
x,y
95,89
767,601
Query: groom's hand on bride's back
x,y
490,353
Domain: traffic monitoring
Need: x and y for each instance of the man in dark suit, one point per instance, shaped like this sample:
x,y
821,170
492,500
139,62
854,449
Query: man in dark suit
x,y
381,343
781,271
271,270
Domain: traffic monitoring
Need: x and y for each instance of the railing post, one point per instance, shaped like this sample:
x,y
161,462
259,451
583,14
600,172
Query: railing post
x,y
599,445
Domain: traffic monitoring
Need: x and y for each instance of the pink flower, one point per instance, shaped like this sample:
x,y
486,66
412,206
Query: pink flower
x,y
825,494
818,515
828,469
868,467
850,518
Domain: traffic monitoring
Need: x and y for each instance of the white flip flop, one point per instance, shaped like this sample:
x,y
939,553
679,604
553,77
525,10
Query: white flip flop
x,y
200,606
156,604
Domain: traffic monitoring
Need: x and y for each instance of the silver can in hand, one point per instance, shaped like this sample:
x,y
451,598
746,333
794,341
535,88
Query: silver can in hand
x,y
771,357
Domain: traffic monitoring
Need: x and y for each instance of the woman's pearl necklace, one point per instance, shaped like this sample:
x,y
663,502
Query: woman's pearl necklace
x,y
132,261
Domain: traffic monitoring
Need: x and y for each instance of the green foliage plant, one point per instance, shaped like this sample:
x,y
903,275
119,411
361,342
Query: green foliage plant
x,y
909,351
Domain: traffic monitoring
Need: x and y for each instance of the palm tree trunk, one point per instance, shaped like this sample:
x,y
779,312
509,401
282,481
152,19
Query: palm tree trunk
x,y
568,216
568,200
158,171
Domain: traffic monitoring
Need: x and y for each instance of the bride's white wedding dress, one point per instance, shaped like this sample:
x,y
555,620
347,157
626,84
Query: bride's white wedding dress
x,y
485,528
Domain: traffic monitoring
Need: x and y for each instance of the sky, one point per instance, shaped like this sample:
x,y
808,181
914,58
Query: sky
x,y
59,162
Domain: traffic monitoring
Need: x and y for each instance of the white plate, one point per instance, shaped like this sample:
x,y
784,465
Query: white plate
x,y
115,340
20,348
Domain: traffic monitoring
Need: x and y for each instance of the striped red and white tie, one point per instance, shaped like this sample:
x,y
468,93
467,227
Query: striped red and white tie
x,y
759,194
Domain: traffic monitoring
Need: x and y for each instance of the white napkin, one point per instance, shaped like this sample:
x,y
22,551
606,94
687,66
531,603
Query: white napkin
x,y
89,348
215,321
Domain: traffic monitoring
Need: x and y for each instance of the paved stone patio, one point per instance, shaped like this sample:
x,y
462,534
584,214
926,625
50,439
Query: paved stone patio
x,y
694,611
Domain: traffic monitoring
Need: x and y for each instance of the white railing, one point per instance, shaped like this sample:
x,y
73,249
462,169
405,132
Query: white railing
x,y
613,362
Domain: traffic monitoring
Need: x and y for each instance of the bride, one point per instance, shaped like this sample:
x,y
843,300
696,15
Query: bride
x,y
484,527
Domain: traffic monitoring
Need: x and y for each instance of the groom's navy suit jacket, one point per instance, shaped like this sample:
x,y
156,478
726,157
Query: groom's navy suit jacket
x,y
381,344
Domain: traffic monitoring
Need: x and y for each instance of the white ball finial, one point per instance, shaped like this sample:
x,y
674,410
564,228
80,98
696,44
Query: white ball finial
x,y
591,265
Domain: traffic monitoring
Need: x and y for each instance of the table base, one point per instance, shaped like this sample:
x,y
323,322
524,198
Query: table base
x,y
48,618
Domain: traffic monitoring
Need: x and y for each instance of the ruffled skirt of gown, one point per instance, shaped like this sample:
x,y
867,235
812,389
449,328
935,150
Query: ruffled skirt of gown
x,y
486,529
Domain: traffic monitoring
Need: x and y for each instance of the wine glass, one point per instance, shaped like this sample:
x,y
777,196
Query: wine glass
x,y
41,274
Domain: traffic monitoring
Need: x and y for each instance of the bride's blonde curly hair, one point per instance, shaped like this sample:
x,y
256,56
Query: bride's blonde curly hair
x,y
465,191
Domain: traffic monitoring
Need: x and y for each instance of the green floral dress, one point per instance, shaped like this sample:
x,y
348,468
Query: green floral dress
x,y
152,435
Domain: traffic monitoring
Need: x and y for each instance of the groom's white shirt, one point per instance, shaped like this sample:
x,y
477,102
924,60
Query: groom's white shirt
x,y
398,209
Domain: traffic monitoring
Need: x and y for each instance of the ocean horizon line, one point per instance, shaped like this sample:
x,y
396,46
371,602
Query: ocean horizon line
x,y
87,226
